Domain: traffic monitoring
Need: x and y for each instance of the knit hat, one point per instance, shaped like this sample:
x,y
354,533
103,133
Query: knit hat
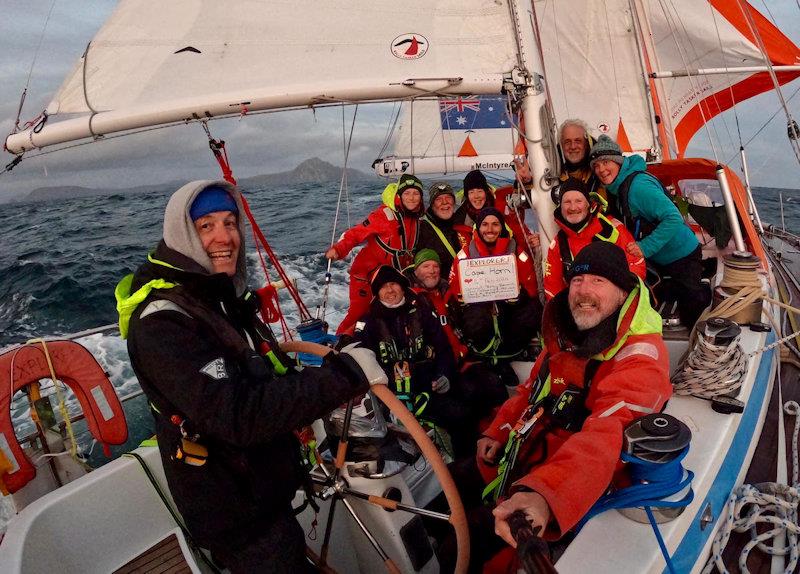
x,y
408,181
386,274
426,254
476,179
211,200
572,184
440,188
607,260
605,148
487,211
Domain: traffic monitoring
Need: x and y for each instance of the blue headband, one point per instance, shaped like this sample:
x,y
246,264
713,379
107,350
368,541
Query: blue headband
x,y
210,200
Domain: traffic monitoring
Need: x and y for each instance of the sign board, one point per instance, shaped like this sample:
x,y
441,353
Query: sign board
x,y
488,278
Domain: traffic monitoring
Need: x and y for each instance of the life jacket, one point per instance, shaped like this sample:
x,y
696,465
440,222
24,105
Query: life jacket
x,y
415,349
403,256
440,235
607,233
79,370
638,226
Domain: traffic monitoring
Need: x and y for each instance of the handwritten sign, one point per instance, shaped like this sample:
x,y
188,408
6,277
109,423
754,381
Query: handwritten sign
x,y
489,278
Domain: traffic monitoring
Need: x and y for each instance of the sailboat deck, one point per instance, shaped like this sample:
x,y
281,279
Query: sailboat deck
x,y
164,557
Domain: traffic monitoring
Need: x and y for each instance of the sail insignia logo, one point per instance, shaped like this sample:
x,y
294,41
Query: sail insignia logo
x,y
409,46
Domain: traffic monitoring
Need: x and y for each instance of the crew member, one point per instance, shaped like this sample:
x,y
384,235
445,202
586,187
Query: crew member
x,y
581,222
512,201
436,226
404,332
477,195
225,399
391,235
661,235
603,348
575,143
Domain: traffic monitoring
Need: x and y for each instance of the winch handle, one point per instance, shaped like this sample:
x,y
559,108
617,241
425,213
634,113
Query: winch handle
x,y
534,556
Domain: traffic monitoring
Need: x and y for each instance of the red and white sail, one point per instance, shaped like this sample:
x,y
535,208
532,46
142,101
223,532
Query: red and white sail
x,y
599,56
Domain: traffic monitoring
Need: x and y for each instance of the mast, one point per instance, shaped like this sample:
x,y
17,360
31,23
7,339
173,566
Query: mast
x,y
539,138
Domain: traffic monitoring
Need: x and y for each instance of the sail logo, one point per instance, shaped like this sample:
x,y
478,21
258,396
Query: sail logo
x,y
409,46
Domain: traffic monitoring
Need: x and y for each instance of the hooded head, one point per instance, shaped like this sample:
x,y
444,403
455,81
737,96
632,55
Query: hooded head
x,y
492,232
192,202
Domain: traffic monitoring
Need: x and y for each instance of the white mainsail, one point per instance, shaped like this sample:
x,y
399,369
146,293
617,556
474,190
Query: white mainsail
x,y
154,62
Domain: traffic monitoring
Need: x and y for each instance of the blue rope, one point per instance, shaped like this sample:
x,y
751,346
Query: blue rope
x,y
652,483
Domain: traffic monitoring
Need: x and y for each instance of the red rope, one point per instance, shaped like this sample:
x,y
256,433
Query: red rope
x,y
221,155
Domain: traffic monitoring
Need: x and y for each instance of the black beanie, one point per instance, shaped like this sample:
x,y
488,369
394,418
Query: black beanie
x,y
606,260
487,211
386,274
476,179
572,184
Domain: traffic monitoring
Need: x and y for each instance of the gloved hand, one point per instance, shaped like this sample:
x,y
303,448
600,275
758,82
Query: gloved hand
x,y
441,385
366,361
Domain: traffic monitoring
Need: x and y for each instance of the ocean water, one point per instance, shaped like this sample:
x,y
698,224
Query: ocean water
x,y
60,262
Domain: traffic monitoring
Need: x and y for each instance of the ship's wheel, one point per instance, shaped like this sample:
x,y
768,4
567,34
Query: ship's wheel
x,y
335,487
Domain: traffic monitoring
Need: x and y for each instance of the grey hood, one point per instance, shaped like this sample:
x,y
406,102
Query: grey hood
x,y
181,236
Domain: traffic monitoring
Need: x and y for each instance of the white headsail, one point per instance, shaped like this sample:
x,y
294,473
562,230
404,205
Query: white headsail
x,y
155,62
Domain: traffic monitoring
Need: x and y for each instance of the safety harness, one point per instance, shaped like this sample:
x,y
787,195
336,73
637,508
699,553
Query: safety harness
x,y
440,234
403,256
566,411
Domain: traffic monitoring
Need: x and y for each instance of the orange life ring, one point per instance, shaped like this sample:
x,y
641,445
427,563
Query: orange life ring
x,y
76,368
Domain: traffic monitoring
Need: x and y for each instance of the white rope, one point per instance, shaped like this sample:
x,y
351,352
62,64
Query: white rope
x,y
711,370
768,503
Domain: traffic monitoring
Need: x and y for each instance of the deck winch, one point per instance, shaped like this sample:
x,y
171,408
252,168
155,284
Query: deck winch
x,y
740,273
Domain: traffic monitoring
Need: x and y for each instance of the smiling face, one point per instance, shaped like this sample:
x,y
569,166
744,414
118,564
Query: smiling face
x,y
490,229
428,273
219,234
477,197
574,143
443,206
606,170
390,293
592,299
411,198
574,206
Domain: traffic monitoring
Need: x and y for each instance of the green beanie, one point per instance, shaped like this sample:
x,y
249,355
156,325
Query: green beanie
x,y
426,254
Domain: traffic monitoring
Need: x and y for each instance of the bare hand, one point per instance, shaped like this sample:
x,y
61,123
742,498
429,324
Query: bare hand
x,y
533,241
533,504
332,254
634,249
489,450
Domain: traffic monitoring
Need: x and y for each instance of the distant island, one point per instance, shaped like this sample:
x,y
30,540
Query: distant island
x,y
313,170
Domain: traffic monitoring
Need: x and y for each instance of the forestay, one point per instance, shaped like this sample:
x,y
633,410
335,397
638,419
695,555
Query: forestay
x,y
154,62
598,57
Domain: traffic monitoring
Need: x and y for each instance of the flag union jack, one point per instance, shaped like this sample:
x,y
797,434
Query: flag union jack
x,y
459,104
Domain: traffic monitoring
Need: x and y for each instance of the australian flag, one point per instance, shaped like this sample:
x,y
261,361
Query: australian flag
x,y
473,112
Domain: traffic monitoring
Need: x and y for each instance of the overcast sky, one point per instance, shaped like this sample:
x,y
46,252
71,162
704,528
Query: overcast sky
x,y
284,139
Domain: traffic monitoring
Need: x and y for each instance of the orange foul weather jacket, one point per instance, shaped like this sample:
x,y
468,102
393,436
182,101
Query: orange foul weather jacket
x,y
390,238
632,380
599,228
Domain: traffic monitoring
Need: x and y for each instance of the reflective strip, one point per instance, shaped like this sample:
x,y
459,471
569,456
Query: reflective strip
x,y
6,448
523,257
646,349
622,404
162,305
102,403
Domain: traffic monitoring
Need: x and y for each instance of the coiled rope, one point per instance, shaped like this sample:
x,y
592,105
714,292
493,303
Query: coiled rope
x,y
711,370
768,503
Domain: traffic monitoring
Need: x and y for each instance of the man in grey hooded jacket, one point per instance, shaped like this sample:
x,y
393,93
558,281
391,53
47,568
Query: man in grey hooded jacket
x,y
225,399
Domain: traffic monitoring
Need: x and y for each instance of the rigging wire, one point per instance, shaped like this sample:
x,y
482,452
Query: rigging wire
x,y
33,64
613,62
730,83
760,41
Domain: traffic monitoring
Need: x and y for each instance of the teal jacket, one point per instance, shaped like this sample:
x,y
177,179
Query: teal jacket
x,y
671,239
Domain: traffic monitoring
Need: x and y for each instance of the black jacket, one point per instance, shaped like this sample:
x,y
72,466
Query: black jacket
x,y
428,238
194,360
384,325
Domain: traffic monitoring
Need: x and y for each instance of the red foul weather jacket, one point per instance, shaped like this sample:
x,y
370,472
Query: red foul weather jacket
x,y
632,380
599,228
